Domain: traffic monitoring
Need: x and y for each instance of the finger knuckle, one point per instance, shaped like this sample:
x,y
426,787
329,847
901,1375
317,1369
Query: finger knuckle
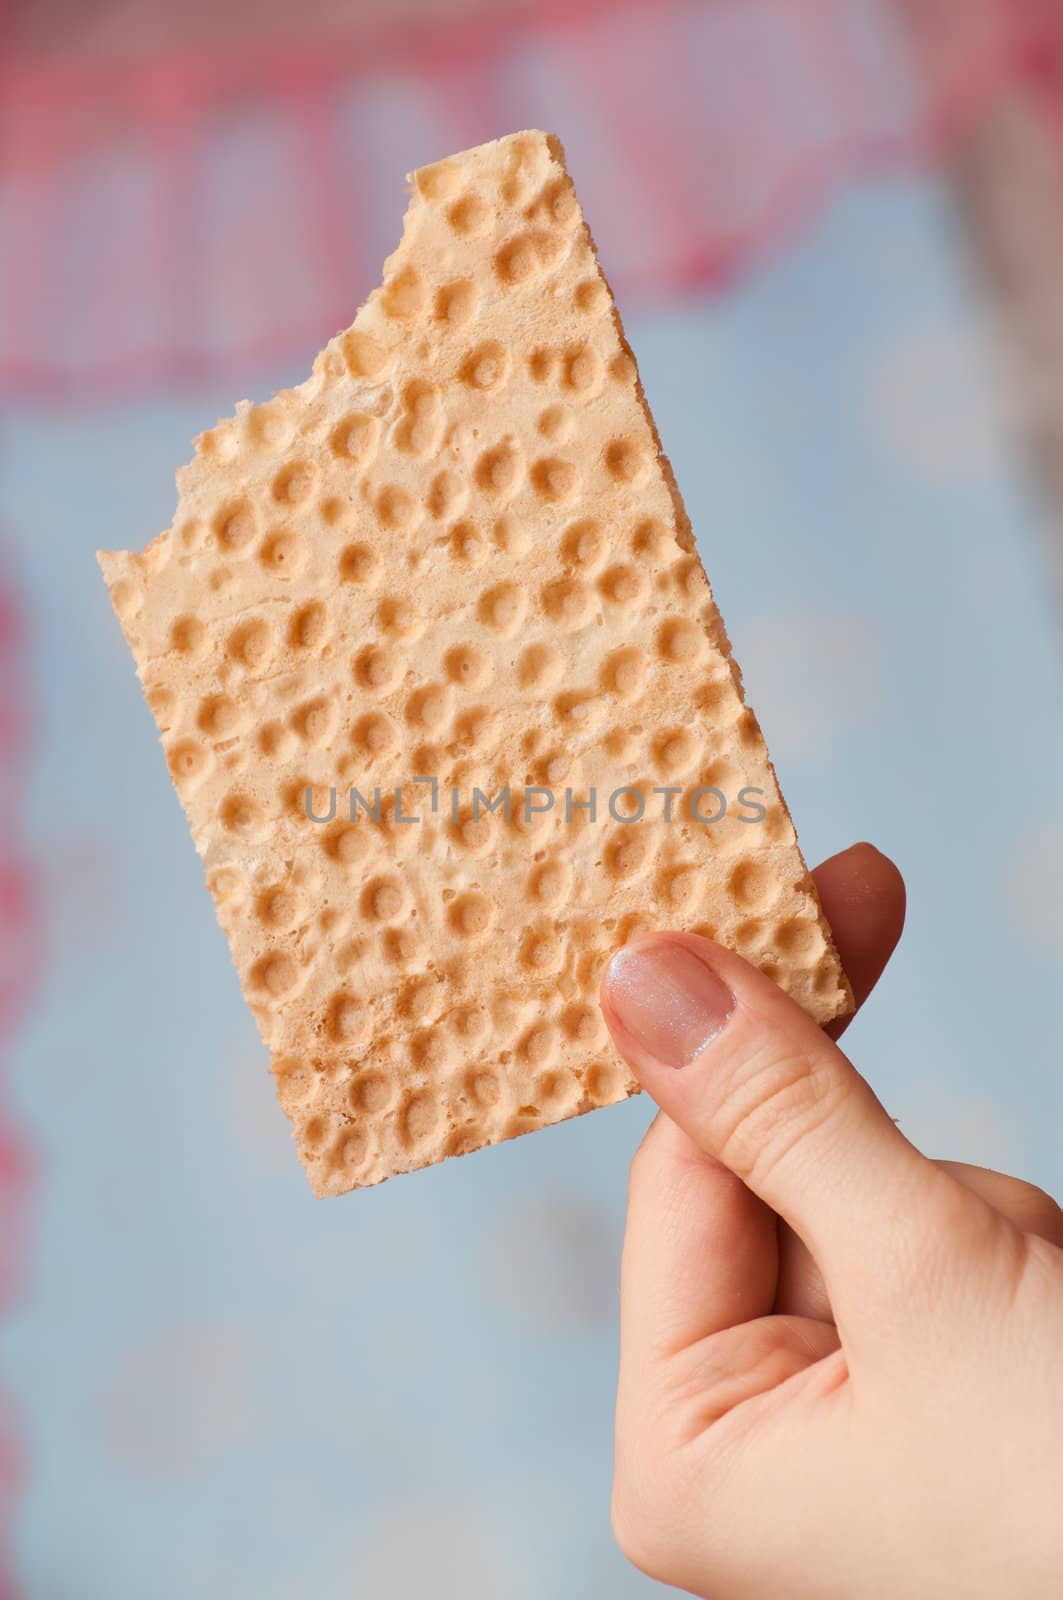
x,y
642,1506
774,1103
1036,1211
965,1228
638,1527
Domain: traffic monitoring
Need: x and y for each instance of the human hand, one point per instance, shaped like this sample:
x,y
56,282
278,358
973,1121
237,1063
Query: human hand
x,y
840,1375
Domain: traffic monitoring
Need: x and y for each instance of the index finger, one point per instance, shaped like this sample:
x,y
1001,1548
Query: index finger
x,y
700,1249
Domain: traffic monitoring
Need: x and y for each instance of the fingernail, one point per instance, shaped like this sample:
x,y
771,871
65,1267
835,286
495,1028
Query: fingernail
x,y
667,999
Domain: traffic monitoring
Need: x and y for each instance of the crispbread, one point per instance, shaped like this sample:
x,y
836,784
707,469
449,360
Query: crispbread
x,y
457,552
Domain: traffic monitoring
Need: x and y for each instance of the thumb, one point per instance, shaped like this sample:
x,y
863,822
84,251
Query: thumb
x,y
756,1084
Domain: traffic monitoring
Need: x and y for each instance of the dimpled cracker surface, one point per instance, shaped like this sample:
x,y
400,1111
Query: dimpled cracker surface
x,y
457,552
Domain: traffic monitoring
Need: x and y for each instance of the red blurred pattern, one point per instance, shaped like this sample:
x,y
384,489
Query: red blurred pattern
x,y
18,961
18,913
179,197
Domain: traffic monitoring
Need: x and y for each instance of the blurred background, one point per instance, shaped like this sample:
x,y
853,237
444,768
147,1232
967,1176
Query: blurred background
x,y
835,228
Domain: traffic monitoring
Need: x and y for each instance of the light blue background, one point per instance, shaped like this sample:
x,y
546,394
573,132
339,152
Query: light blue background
x,y
228,1388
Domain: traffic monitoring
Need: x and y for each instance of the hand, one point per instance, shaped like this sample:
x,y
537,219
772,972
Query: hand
x,y
840,1373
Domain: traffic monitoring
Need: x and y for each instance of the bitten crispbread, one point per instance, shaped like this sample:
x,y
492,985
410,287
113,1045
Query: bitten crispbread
x,y
457,553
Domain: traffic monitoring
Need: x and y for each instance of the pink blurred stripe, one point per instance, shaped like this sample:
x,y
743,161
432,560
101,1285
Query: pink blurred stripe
x,y
20,958
760,107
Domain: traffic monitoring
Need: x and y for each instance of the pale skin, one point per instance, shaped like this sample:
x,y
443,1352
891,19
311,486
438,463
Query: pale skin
x,y
841,1369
